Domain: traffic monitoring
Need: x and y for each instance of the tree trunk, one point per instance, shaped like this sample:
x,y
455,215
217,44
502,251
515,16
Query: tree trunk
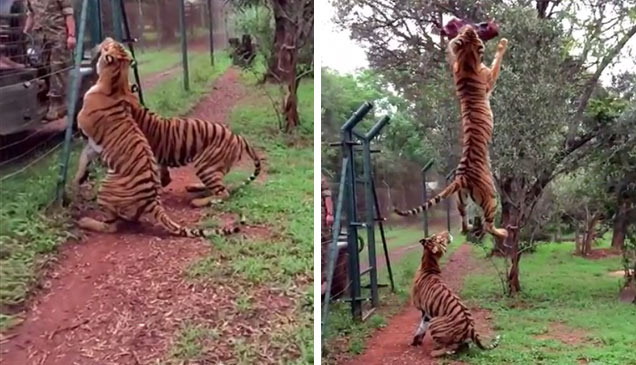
x,y
281,27
589,235
620,225
513,219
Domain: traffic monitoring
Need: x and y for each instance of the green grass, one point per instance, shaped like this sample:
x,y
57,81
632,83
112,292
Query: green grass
x,y
27,235
345,334
557,288
170,99
154,61
281,260
27,232
190,341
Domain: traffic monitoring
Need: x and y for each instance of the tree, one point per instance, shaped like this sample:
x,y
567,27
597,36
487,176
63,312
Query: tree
x,y
540,102
292,42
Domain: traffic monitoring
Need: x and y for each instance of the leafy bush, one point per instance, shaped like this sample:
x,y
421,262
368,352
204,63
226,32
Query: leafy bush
x,y
258,22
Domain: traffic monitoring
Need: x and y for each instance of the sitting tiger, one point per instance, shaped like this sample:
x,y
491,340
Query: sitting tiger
x,y
131,187
474,83
449,321
211,147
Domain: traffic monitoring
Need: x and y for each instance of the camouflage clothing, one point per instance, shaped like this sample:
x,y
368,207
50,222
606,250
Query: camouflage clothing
x,y
49,16
49,34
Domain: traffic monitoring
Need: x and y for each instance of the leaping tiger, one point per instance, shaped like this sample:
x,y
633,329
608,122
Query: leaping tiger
x,y
474,83
131,187
448,320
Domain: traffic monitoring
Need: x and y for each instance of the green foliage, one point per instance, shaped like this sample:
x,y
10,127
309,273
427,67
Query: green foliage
x,y
258,22
559,290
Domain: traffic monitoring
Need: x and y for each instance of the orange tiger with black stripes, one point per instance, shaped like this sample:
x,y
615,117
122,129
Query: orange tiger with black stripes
x,y
474,83
131,187
448,320
211,147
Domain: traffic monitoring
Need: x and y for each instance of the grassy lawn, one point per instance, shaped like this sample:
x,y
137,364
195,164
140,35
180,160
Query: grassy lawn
x,y
153,61
343,334
28,233
568,312
279,261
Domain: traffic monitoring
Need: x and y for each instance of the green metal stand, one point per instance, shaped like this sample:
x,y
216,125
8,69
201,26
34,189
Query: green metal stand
x,y
71,102
129,42
211,26
184,46
347,196
426,167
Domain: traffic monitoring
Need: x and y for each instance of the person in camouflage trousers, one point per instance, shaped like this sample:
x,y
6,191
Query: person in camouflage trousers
x,y
326,222
52,26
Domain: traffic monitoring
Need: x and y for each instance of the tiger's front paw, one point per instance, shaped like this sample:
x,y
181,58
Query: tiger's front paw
x,y
503,43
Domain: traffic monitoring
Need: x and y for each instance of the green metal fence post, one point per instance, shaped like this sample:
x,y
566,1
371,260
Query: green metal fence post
x,y
425,194
130,41
184,46
71,102
211,26
333,246
370,221
117,22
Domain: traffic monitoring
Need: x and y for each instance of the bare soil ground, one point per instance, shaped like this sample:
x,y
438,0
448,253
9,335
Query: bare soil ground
x,y
391,344
120,298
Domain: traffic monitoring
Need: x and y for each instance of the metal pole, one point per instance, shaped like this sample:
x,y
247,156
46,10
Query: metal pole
x,y
425,194
352,229
380,220
116,10
211,26
368,205
184,46
333,247
448,219
100,26
130,42
71,102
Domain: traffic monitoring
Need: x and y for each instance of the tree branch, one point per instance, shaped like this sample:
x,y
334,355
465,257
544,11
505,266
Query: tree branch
x,y
590,85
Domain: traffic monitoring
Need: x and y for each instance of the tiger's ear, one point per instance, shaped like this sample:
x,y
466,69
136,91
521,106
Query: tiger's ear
x,y
109,59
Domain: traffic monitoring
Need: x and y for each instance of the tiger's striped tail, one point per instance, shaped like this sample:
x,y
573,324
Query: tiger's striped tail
x,y
257,162
477,340
450,190
157,211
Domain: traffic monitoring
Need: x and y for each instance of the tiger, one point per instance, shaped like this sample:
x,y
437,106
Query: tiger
x,y
448,320
474,83
131,187
212,148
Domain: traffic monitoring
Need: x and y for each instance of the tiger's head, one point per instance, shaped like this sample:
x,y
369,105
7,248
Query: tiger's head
x,y
467,48
435,246
113,56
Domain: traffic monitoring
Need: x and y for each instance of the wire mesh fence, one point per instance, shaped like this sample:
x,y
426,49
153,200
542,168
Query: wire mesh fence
x,y
30,146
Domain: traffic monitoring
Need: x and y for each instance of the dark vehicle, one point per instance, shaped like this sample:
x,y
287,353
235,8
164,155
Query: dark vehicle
x,y
23,81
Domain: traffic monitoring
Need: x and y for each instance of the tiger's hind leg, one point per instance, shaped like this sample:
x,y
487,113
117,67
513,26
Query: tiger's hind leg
x,y
421,330
109,225
462,196
444,333
214,184
485,198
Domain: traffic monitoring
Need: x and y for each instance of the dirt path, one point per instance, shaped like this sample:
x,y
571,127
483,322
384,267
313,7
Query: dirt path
x,y
391,345
119,299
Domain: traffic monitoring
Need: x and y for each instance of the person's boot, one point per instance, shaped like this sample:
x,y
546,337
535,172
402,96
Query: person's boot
x,y
57,109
